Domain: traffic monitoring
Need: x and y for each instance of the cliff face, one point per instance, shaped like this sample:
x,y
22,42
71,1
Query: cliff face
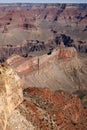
x,y
22,49
10,93
61,68
34,63
48,12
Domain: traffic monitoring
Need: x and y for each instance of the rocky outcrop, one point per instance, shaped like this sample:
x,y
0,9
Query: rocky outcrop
x,y
40,109
34,63
17,121
10,93
60,68
49,110
67,52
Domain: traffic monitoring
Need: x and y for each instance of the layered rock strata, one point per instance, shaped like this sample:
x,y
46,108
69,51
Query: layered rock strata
x,y
61,68
34,63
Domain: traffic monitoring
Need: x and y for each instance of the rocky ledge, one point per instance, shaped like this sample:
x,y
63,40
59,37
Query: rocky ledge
x,y
48,110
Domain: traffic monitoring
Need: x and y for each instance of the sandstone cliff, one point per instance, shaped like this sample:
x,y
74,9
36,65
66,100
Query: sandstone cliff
x,y
10,93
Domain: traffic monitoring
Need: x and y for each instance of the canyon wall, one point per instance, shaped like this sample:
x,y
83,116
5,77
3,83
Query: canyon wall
x,y
35,63
60,68
10,93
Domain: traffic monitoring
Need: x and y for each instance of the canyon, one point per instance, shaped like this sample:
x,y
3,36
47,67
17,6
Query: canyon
x,y
43,66
54,91
37,28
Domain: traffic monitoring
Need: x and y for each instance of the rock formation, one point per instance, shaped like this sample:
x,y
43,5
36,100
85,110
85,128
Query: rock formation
x,y
10,93
53,110
40,23
63,64
36,89
41,108
31,63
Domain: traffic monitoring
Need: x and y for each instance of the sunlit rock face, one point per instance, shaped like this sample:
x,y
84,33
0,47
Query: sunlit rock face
x,y
67,52
10,93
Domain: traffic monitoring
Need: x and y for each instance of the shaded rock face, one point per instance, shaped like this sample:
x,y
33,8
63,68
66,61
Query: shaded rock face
x,y
33,46
82,94
66,40
53,110
10,93
23,50
81,46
